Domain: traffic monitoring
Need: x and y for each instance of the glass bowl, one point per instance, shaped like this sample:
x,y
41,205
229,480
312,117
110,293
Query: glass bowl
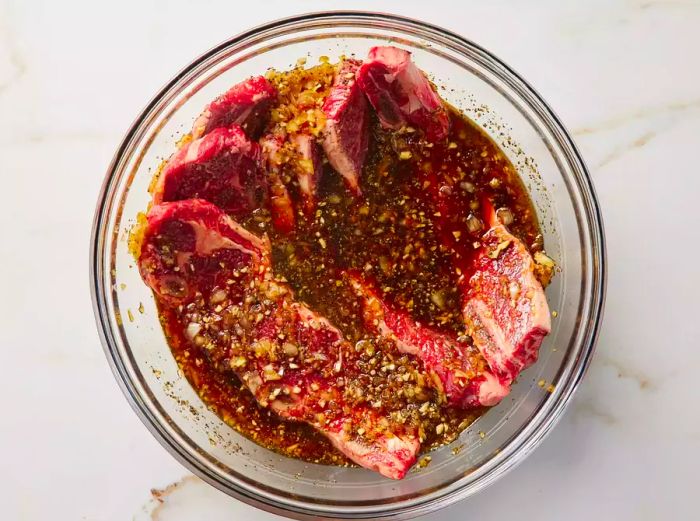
x,y
513,114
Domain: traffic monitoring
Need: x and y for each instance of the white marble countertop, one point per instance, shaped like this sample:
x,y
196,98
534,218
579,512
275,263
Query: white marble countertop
x,y
622,74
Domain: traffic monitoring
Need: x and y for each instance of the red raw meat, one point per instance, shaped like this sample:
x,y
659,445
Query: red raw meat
x,y
309,169
177,230
400,93
503,303
198,260
223,167
459,370
346,134
505,306
245,104
374,78
281,207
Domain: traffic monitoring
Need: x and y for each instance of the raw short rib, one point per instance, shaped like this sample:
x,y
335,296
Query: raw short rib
x,y
245,104
308,169
458,369
505,306
346,135
218,275
222,167
400,93
281,207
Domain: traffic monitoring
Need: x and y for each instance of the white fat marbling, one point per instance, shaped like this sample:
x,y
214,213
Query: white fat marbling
x,y
622,74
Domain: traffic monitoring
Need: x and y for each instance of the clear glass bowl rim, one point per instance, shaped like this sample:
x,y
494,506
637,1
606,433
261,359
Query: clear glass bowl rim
x,y
533,433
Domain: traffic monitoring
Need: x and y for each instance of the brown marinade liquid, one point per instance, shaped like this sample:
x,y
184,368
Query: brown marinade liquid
x,y
387,233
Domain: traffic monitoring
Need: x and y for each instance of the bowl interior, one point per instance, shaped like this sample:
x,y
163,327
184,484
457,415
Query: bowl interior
x,y
511,114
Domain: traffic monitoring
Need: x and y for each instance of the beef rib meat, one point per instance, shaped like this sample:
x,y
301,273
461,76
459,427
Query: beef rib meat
x,y
346,134
245,104
295,362
222,167
459,371
400,93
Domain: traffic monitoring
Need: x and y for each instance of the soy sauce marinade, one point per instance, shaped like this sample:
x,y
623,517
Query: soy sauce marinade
x,y
388,234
